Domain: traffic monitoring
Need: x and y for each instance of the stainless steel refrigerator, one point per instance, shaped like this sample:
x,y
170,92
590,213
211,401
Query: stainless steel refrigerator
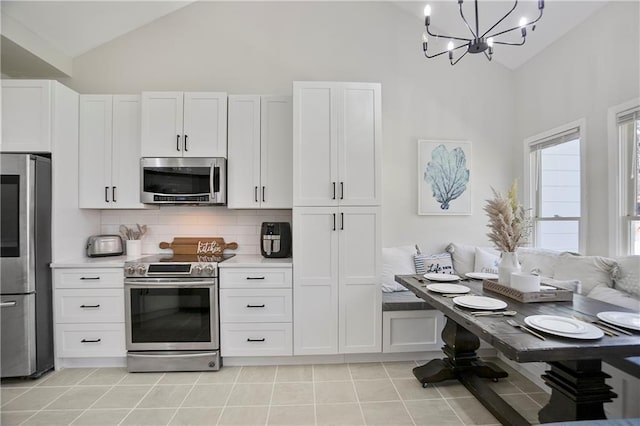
x,y
26,327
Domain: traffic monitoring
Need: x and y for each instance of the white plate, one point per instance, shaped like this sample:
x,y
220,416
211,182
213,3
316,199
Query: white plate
x,y
479,302
449,288
481,276
623,319
554,323
591,332
441,277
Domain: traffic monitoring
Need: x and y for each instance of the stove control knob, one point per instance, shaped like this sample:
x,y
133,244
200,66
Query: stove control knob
x,y
198,269
130,270
208,269
141,269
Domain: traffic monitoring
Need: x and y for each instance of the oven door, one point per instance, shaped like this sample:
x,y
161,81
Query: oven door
x,y
171,314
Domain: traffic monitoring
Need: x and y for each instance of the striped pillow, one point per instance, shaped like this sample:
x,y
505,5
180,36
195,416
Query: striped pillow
x,y
433,263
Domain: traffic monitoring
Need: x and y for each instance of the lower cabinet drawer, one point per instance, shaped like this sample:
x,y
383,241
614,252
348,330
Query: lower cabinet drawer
x,y
256,339
255,305
89,278
87,306
90,340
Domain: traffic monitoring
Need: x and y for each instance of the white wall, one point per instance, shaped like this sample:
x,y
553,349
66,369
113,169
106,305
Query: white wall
x,y
262,47
240,226
593,67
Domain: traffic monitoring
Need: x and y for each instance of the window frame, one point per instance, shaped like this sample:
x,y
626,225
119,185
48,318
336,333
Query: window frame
x,y
619,239
530,200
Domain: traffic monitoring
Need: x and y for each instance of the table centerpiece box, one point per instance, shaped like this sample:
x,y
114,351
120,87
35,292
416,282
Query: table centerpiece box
x,y
556,295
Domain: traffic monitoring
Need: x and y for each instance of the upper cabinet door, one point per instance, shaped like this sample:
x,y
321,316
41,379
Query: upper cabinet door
x,y
205,124
315,144
125,165
359,144
95,151
162,114
243,165
276,156
26,116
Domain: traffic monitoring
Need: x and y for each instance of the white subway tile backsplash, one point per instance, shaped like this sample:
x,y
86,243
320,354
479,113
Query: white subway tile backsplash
x,y
165,223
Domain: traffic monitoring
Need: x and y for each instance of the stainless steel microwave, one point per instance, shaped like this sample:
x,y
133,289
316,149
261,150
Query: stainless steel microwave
x,y
183,180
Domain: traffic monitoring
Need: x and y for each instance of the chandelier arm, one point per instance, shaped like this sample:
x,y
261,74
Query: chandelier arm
x,y
433,56
487,55
458,60
518,27
465,20
515,3
446,36
510,43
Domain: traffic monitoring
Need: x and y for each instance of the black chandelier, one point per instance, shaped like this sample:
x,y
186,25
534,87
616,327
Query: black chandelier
x,y
480,42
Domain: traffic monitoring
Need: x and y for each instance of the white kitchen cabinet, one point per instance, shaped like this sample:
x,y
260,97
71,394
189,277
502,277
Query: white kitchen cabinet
x,y
109,152
337,298
27,115
256,311
88,313
260,160
337,146
184,124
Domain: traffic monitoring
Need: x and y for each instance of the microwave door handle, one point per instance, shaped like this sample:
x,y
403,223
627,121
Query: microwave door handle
x,y
215,179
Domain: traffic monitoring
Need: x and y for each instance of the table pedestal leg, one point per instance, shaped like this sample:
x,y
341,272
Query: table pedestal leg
x,y
460,348
578,391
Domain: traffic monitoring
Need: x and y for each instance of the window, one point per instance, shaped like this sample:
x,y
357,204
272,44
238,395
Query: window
x,y
628,126
555,189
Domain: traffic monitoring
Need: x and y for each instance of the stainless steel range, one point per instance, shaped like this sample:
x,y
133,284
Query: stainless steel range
x,y
171,313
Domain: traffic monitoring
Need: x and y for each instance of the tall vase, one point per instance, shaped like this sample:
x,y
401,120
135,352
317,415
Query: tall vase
x,y
508,264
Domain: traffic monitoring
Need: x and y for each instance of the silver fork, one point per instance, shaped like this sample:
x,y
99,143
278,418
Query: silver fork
x,y
522,327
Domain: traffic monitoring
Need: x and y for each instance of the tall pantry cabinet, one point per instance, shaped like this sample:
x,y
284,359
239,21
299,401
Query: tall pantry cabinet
x,y
337,142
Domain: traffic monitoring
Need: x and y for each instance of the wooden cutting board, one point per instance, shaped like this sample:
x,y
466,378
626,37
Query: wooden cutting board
x,y
198,245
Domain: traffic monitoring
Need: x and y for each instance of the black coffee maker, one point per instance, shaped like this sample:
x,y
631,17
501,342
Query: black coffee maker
x,y
275,239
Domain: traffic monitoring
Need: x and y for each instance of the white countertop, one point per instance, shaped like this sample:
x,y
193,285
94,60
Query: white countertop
x,y
253,260
238,261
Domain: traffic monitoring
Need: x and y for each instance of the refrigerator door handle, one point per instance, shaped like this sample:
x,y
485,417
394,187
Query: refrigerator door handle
x,y
8,304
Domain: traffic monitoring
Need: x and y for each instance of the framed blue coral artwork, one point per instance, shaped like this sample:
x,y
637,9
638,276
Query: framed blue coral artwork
x,y
444,173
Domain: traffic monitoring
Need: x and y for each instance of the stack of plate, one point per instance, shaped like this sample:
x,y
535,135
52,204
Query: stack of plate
x,y
448,288
481,276
441,277
564,327
479,302
629,320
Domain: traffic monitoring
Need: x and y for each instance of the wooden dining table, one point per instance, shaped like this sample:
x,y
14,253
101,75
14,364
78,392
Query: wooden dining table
x,y
575,376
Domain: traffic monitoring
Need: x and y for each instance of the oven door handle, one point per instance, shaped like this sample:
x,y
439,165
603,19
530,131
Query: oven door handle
x,y
151,284
181,355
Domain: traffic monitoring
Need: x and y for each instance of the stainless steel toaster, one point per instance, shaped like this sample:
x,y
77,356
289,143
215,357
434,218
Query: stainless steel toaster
x,y
104,245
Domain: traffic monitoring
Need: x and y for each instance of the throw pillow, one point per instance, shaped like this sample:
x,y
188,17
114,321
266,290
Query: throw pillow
x,y
463,257
433,263
590,270
396,261
628,277
486,261
615,297
541,260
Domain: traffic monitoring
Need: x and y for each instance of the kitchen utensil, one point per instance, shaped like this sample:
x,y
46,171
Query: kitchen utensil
x,y
198,245
516,324
480,302
606,330
622,319
104,245
493,313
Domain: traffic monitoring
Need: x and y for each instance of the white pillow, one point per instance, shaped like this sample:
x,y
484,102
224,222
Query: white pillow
x,y
486,261
627,278
542,260
463,257
396,261
615,297
433,263
590,270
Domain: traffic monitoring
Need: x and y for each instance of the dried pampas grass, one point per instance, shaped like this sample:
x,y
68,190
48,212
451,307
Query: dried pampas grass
x,y
508,222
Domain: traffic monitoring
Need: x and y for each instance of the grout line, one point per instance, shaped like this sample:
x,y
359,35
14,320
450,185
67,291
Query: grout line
x,y
142,398
101,396
355,391
449,405
226,401
313,394
273,388
185,398
399,396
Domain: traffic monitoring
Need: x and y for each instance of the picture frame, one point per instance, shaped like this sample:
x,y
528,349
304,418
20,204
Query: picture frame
x,y
444,177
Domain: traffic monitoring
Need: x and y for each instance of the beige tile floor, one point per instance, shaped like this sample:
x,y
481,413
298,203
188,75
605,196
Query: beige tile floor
x,y
338,394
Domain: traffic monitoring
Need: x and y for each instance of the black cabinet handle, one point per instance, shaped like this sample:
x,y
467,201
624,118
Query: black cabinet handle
x,y
89,278
90,340
89,306
263,194
255,278
334,221
106,194
333,197
255,193
341,221
255,340
113,193
186,147
342,190
255,306
177,142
